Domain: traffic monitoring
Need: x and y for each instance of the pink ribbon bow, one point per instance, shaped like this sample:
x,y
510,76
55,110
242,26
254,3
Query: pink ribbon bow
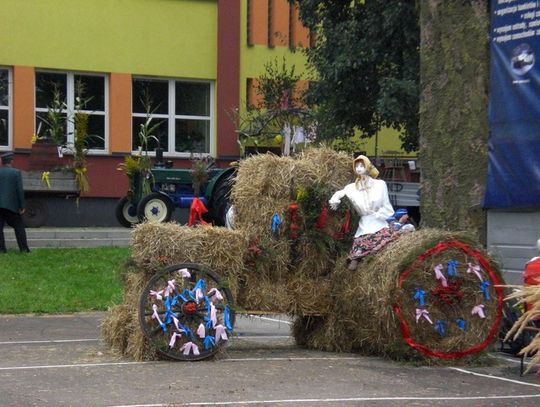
x,y
184,273
188,347
173,338
422,313
439,275
476,270
214,294
156,294
478,310
201,331
221,333
170,288
155,314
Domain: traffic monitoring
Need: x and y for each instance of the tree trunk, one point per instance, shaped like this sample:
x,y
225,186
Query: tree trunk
x,y
454,69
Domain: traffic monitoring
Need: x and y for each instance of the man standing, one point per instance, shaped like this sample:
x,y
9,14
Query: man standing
x,y
11,203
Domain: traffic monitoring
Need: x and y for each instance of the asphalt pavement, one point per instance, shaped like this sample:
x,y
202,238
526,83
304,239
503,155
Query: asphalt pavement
x,y
60,360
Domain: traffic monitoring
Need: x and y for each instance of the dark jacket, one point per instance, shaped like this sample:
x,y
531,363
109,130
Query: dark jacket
x,y
11,189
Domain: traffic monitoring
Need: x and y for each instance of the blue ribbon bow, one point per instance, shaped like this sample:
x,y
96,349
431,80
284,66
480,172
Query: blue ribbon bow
x,y
484,285
200,285
227,318
276,221
419,295
452,264
461,323
169,312
209,342
440,327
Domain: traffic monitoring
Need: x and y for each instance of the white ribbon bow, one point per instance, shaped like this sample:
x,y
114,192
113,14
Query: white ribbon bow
x,y
221,333
156,294
188,347
170,288
213,314
422,313
173,338
439,275
201,331
476,270
155,314
184,273
214,294
478,310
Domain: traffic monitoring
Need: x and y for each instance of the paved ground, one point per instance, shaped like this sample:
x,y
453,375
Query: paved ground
x,y
60,361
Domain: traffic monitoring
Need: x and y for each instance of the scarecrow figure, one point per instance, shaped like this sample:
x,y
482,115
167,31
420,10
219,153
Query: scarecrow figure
x,y
369,197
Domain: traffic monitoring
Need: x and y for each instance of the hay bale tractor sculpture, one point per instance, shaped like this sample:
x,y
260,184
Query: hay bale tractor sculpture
x,y
430,294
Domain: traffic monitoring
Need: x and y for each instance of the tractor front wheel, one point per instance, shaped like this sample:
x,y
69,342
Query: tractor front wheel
x,y
155,207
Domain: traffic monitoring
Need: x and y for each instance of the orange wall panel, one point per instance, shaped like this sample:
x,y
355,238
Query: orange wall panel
x,y
23,106
119,113
280,22
300,33
259,22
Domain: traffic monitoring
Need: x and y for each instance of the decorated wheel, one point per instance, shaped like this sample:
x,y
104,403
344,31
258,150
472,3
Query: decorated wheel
x,y
186,312
155,207
450,301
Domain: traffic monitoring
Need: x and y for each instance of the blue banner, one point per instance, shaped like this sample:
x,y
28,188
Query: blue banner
x,y
513,178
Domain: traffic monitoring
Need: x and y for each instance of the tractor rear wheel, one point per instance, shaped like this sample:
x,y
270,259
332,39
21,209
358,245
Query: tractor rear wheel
x,y
126,212
155,207
220,202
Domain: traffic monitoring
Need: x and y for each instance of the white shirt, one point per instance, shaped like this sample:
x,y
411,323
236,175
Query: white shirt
x,y
370,200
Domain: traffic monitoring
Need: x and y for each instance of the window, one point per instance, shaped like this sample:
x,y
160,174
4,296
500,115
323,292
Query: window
x,y
68,86
180,113
5,98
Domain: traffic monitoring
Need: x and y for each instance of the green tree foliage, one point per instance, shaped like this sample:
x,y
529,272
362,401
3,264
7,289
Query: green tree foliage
x,y
366,61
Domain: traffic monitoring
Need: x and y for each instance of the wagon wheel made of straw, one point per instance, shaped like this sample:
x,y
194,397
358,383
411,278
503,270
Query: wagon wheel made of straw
x,y
186,312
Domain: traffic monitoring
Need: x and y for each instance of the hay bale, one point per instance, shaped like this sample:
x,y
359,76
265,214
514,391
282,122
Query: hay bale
x,y
120,328
157,245
323,165
375,308
263,186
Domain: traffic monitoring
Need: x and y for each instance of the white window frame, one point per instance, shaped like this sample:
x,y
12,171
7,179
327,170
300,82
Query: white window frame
x,y
70,101
9,109
171,117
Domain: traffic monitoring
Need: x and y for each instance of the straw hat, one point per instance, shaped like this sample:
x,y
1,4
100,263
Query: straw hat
x,y
370,168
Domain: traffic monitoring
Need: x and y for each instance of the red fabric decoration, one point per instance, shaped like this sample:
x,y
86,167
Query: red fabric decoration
x,y
294,219
345,226
196,212
406,332
323,217
449,295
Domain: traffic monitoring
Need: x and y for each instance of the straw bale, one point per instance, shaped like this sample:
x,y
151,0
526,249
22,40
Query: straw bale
x,y
362,317
260,293
308,296
263,186
323,165
120,328
157,245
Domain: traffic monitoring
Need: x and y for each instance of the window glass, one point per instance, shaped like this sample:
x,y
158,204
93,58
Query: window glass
x,y
46,85
192,136
4,127
150,95
4,87
160,131
89,87
192,99
92,89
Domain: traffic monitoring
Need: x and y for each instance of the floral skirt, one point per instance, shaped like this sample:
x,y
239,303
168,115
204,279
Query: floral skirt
x,y
371,243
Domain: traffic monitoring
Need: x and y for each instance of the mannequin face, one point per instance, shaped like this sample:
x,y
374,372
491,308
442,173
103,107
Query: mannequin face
x,y
360,169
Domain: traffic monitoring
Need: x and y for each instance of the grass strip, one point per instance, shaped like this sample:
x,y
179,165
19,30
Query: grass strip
x,y
58,280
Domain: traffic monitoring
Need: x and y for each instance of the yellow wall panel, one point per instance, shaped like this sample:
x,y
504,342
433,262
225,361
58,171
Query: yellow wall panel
x,y
155,37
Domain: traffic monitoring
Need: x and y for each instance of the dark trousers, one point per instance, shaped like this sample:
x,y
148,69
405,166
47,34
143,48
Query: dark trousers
x,y
15,221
